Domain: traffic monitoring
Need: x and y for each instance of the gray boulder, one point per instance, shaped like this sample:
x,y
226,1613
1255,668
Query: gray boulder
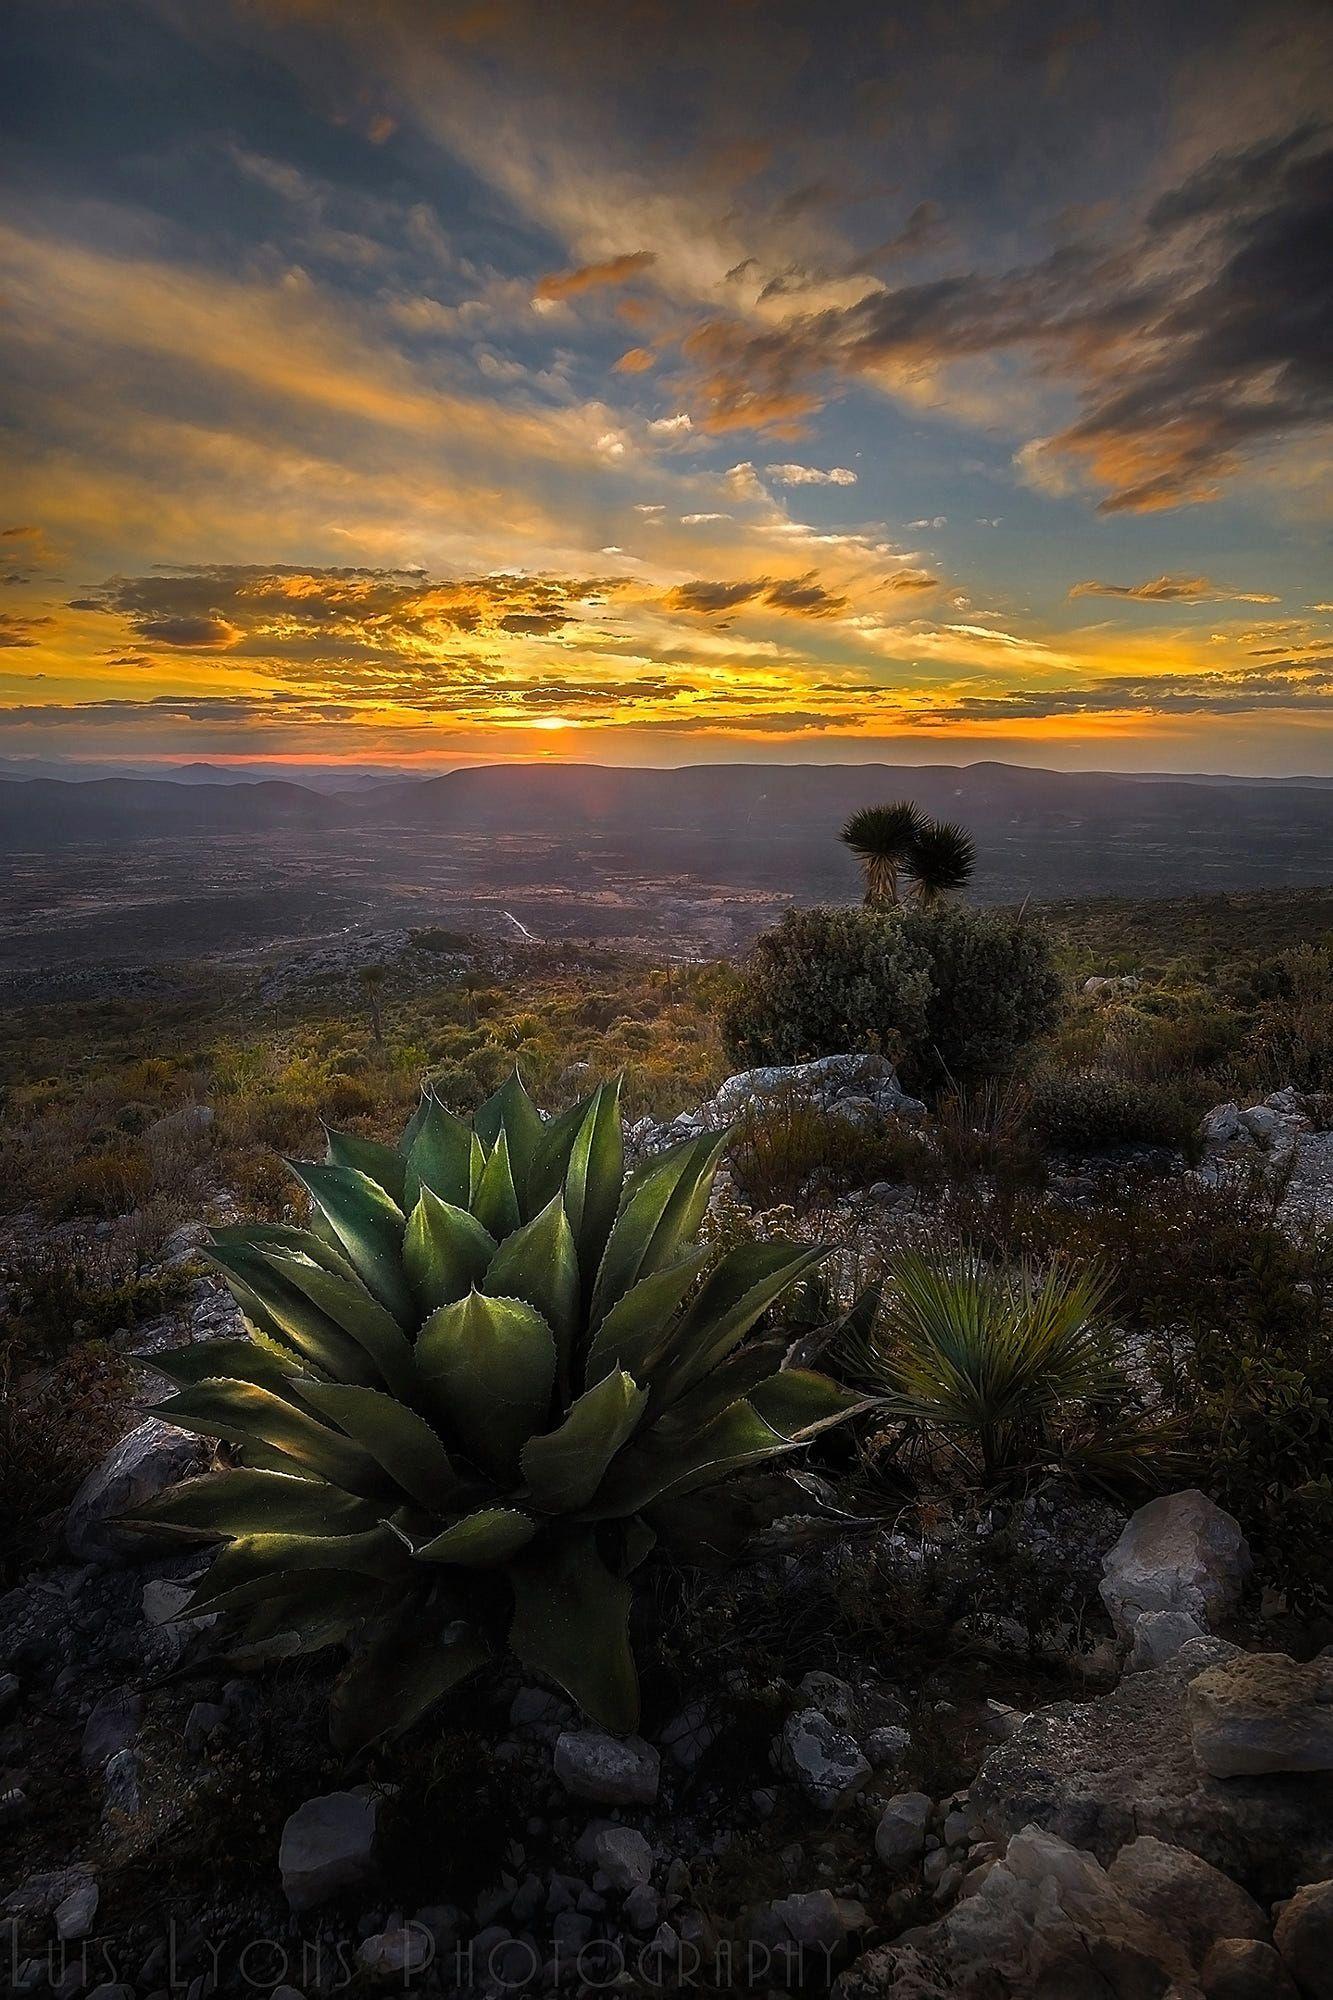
x,y
1262,1712
1303,1935
1159,1636
828,1081
1179,1553
1099,1773
900,1836
617,1771
150,1458
328,1846
824,1761
624,1856
1195,1902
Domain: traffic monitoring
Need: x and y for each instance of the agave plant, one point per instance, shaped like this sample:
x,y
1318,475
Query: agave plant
x,y
468,1390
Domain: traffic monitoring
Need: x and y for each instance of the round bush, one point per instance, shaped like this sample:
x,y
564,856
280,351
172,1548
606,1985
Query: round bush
x,y
826,981
947,992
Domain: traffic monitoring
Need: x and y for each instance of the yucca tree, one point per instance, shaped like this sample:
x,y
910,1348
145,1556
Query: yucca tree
x,y
882,838
997,1361
940,859
466,1393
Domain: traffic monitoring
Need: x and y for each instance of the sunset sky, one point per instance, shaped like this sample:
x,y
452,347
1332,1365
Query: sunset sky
x,y
414,383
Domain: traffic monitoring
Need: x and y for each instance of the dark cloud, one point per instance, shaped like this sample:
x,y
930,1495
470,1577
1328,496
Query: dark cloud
x,y
803,595
1183,366
19,631
209,630
1174,590
1309,687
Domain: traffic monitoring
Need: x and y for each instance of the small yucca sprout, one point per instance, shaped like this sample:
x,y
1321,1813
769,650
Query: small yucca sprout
x,y
465,1393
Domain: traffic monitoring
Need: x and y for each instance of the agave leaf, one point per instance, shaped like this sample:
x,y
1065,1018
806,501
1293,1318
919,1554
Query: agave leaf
x,y
266,1295
651,1468
663,1206
799,1402
510,1110
594,1178
495,1202
242,1412
415,1122
232,1360
244,1501
369,1227
349,1305
742,1288
571,1623
384,1165
480,1540
439,1155
550,1161
565,1467
319,1609
282,1236
249,1560
538,1263
738,1375
402,1442
636,1329
257,1457
445,1251
489,1367
407,1667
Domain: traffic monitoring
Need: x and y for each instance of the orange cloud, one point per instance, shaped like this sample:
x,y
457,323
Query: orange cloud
x,y
635,361
558,285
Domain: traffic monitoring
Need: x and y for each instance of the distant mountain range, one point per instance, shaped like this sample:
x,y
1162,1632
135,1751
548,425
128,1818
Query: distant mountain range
x,y
748,825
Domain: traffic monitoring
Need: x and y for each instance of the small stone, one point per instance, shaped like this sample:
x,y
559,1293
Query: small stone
x,y
690,1734
1261,1712
933,1867
150,1458
1303,1935
1159,1636
887,1746
122,1791
397,1953
812,1919
950,1882
624,1856
328,1846
10,1690
956,1828
1245,1969
41,1895
74,1916
826,1764
13,1804
614,1770
900,1837
643,1908
164,1600
1000,1720
1180,1552
112,1726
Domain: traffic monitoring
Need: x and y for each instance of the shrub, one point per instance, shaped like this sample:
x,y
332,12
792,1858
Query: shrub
x,y
826,981
948,992
993,990
799,1153
1083,1110
494,1366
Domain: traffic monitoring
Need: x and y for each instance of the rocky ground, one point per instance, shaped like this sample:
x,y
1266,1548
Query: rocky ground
x,y
1023,1747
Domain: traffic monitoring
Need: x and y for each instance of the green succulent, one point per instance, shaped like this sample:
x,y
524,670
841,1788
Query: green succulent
x,y
468,1390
